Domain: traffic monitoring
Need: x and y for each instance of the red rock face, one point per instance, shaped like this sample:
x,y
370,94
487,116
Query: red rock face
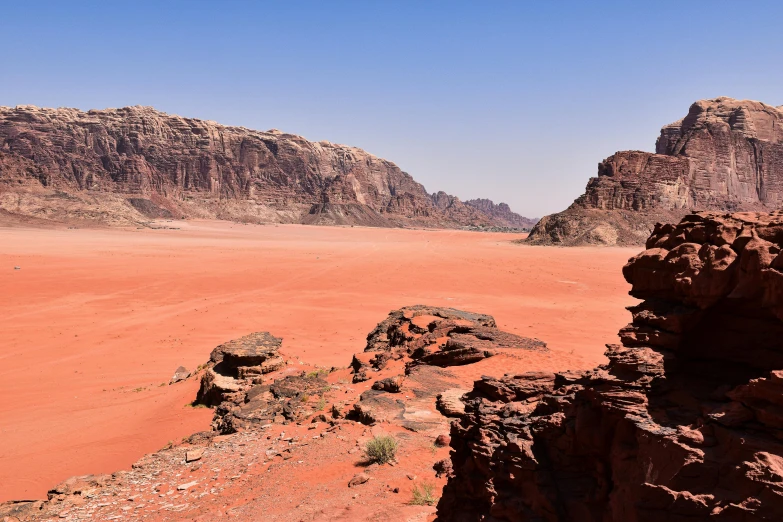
x,y
724,155
683,423
133,164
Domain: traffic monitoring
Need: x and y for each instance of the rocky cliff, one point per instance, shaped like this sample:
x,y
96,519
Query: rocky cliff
x,y
724,155
130,165
685,421
502,213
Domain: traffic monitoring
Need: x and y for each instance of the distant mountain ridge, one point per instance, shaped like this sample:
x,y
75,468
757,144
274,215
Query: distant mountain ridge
x,y
725,155
129,165
503,213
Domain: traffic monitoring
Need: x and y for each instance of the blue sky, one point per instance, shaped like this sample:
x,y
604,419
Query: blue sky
x,y
512,101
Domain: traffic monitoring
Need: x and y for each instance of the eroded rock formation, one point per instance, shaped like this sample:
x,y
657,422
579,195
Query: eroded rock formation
x,y
435,336
724,155
683,423
284,423
238,365
237,381
130,165
502,213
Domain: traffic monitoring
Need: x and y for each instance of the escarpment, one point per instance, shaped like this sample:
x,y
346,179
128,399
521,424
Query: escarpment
x,y
130,165
683,423
725,155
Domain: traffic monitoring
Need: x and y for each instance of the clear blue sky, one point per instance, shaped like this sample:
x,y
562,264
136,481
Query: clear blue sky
x,y
513,101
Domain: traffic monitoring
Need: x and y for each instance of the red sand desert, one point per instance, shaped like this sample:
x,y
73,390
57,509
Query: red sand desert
x,y
96,321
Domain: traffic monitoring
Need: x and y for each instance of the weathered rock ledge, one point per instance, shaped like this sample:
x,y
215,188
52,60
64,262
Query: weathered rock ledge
x,y
685,421
268,410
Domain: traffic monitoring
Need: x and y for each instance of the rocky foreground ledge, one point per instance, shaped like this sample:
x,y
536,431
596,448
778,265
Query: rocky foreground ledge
x,y
287,438
685,422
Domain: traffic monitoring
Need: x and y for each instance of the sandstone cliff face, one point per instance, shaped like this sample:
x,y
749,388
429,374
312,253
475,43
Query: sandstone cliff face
x,y
133,164
683,423
724,155
502,212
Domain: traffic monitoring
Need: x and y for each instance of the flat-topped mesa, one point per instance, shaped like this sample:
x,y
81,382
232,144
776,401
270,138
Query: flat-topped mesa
x,y
725,155
129,165
683,423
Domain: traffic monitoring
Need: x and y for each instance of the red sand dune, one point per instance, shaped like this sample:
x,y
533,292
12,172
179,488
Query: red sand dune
x,y
96,320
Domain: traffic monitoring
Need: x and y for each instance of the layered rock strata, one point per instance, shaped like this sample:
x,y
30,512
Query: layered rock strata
x,y
435,336
243,380
238,365
502,213
724,155
417,345
683,423
134,164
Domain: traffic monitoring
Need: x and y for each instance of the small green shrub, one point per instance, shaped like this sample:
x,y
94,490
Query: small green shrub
x,y
381,449
321,404
424,495
317,373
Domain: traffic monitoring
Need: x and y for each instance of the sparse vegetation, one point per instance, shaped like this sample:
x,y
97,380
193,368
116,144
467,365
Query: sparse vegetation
x,y
424,495
321,404
195,404
317,373
304,398
381,449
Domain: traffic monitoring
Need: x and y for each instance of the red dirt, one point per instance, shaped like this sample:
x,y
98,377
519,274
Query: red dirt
x,y
96,320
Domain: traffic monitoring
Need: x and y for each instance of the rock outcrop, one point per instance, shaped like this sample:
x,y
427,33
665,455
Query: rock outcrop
x,y
435,336
725,155
130,165
685,421
243,380
502,213
283,423
238,365
417,344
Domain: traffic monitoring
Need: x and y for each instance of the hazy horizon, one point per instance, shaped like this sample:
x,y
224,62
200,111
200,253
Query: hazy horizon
x,y
513,102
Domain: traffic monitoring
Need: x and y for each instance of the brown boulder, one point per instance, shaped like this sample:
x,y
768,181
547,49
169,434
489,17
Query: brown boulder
x,y
180,374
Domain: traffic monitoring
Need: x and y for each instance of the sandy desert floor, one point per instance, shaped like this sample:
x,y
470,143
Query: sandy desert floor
x,y
96,321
